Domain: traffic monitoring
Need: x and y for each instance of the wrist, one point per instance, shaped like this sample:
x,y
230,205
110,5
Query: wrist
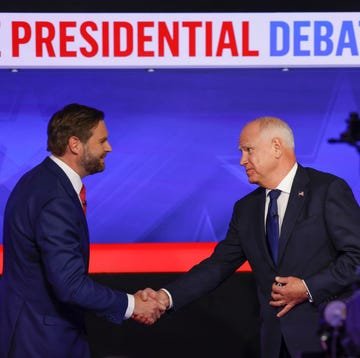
x,y
165,298
307,292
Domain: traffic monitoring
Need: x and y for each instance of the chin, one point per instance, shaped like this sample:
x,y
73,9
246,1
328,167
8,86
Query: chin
x,y
254,181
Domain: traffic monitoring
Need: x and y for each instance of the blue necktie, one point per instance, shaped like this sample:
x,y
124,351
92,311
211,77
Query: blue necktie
x,y
272,224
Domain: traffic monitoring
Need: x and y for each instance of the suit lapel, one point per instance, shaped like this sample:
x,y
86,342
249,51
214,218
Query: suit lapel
x,y
298,195
66,183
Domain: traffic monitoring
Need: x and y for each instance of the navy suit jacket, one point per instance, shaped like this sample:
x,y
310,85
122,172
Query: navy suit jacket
x,y
319,242
45,288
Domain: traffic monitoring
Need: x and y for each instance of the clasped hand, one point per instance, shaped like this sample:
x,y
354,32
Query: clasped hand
x,y
287,292
150,305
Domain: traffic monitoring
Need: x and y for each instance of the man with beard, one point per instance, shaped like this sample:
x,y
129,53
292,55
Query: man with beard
x,y
46,289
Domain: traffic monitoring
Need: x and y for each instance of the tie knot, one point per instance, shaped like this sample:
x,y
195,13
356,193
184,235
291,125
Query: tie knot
x,y
274,194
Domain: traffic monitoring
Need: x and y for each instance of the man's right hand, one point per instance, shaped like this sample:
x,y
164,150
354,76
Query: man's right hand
x,y
149,305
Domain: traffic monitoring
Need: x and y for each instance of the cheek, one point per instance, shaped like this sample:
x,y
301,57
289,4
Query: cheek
x,y
96,150
254,161
262,161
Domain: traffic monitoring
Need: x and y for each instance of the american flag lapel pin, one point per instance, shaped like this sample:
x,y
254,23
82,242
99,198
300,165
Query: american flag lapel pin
x,y
301,193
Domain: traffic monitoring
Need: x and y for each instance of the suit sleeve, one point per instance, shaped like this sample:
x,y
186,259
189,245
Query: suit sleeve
x,y
58,234
211,272
342,218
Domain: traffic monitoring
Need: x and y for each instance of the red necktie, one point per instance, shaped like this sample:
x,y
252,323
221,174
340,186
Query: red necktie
x,y
83,198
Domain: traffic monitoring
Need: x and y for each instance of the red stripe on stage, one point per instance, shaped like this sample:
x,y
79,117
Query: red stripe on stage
x,y
1,259
154,257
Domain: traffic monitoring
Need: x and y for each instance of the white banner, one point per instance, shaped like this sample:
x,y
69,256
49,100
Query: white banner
x,y
153,40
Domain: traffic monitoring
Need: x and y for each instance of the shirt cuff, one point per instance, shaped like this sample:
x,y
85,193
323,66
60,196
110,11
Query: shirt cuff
x,y
310,298
130,307
169,296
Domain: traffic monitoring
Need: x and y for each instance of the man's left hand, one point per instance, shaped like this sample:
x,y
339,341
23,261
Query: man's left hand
x,y
287,292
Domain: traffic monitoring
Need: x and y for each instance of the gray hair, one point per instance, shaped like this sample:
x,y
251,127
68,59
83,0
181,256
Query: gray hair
x,y
277,127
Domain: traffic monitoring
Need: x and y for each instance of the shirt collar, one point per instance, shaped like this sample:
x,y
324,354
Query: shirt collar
x,y
74,177
286,184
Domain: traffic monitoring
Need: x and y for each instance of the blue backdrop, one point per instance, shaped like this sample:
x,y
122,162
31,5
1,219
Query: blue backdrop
x,y
174,172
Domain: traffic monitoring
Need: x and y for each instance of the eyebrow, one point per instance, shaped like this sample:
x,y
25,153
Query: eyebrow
x,y
244,146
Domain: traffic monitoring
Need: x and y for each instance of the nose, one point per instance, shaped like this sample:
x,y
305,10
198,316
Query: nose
x,y
108,147
243,159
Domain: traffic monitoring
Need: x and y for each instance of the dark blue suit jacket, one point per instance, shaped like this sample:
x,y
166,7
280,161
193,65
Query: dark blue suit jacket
x,y
45,288
319,242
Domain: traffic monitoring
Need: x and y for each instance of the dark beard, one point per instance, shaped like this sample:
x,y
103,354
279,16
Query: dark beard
x,y
92,164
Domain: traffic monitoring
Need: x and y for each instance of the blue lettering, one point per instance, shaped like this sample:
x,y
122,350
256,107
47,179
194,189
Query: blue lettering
x,y
323,45
347,39
299,38
282,28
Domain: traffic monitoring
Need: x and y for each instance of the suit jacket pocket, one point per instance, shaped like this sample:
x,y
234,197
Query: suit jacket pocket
x,y
56,321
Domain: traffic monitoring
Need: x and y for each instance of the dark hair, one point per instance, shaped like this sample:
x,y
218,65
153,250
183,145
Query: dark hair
x,y
72,120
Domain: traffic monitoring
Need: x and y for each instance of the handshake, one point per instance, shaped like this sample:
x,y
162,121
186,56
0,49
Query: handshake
x,y
150,305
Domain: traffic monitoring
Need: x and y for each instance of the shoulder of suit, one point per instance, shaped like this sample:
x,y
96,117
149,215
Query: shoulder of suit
x,y
253,196
43,178
320,176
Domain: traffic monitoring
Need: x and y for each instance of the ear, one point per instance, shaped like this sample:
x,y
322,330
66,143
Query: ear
x,y
75,145
277,147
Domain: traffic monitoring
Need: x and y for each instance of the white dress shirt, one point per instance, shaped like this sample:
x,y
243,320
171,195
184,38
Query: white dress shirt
x,y
282,201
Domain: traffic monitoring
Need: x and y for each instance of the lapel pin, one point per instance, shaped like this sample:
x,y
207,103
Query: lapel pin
x,y
301,193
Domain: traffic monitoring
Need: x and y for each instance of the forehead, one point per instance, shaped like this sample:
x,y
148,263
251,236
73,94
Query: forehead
x,y
250,134
100,130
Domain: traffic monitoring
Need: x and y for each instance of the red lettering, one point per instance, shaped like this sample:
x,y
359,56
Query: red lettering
x,y
142,38
192,26
116,39
245,41
17,38
65,38
227,31
105,39
172,41
94,48
129,45
208,38
44,35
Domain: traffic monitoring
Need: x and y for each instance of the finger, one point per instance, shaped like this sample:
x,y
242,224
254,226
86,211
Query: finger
x,y
161,310
143,295
158,315
139,319
151,293
281,280
277,303
278,284
276,296
277,289
285,310
161,306
148,319
155,312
